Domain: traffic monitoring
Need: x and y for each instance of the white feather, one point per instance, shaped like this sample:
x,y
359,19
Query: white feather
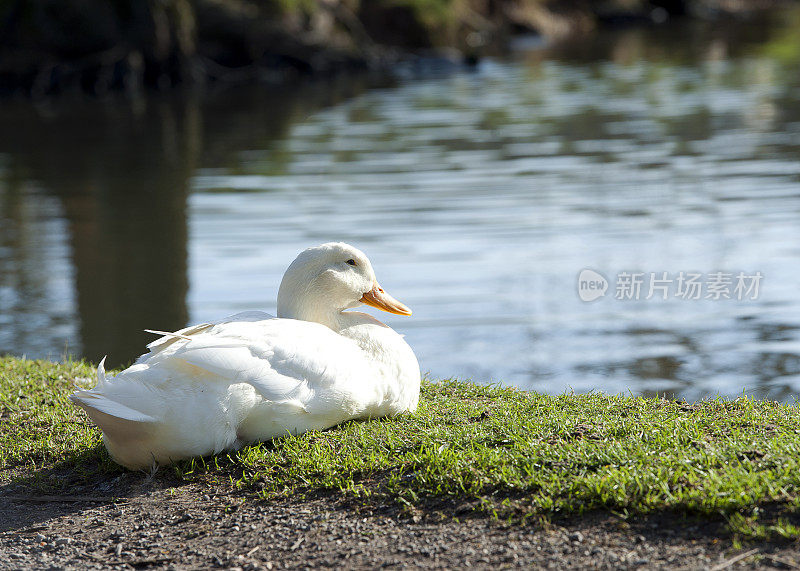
x,y
167,334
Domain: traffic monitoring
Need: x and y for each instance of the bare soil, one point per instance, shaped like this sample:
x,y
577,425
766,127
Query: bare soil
x,y
137,521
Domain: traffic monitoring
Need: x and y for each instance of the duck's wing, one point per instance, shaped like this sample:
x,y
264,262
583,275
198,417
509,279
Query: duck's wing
x,y
168,338
291,375
283,359
303,376
235,381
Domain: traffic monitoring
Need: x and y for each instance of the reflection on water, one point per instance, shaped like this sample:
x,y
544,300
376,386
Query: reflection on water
x,y
478,196
94,235
93,213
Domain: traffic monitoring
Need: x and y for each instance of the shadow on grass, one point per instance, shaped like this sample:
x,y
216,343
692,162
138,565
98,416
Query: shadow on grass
x,y
89,479
75,483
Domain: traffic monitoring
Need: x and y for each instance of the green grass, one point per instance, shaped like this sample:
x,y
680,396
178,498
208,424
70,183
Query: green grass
x,y
495,450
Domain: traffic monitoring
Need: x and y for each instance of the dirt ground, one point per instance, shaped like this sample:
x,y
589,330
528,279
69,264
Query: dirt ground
x,y
135,521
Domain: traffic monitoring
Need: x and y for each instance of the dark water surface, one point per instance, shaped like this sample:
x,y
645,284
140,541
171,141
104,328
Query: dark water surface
x,y
479,197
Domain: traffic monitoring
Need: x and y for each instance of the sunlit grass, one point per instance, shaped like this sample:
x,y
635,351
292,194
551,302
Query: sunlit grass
x,y
495,450
38,424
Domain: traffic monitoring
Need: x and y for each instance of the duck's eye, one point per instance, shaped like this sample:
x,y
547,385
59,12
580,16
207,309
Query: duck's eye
x,y
351,262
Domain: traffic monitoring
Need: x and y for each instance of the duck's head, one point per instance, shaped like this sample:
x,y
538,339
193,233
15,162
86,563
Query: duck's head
x,y
325,280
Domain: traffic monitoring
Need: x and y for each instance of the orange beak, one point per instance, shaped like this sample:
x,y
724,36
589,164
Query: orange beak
x,y
376,297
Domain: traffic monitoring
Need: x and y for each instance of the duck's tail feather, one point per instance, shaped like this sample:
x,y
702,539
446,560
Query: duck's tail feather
x,y
102,408
82,383
128,434
119,423
101,373
92,402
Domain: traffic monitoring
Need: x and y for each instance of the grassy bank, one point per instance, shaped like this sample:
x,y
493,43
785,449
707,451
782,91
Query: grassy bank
x,y
468,450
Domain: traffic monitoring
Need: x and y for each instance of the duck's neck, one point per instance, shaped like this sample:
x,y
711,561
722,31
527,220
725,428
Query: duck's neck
x,y
332,318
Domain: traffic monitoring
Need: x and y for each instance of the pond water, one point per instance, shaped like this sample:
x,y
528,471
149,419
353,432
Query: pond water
x,y
479,196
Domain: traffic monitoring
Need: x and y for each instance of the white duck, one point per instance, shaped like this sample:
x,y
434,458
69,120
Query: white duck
x,y
253,377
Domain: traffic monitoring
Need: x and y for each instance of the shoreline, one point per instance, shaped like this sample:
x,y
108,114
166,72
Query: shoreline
x,y
97,48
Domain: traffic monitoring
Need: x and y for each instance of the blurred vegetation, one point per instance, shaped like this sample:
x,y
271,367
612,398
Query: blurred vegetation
x,y
97,45
785,47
